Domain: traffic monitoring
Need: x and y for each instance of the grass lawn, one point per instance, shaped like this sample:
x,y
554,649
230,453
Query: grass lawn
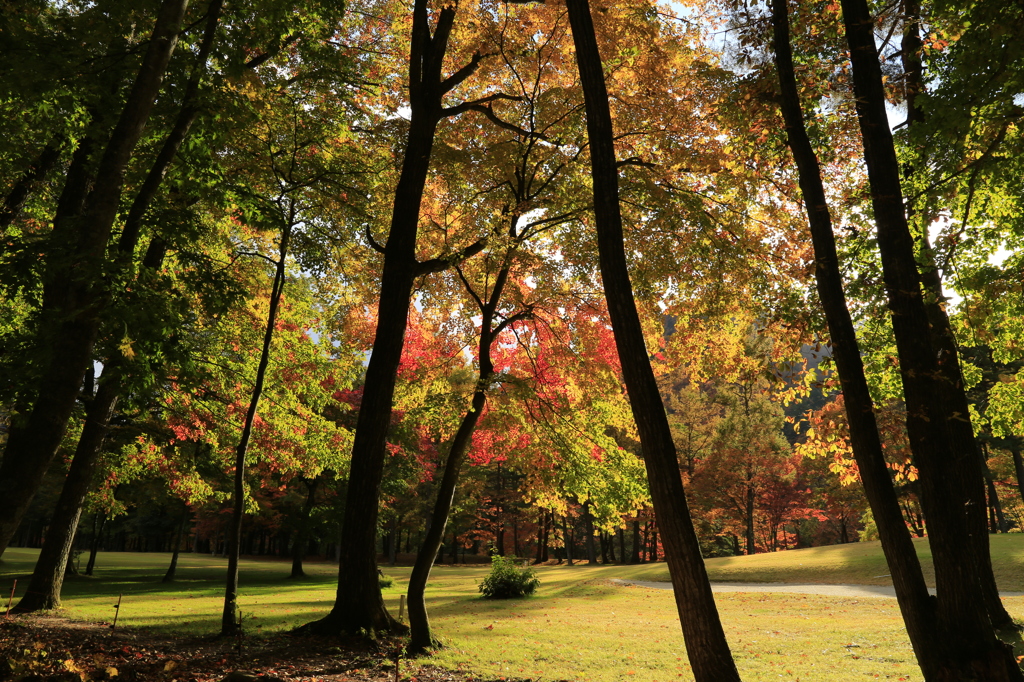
x,y
578,626
859,563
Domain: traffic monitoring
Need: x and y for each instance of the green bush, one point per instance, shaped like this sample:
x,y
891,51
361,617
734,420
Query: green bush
x,y
507,580
385,581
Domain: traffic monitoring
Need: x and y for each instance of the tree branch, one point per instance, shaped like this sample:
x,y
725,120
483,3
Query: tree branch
x,y
440,264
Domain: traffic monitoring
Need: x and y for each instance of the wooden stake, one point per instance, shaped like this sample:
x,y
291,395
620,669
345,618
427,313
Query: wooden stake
x,y
401,608
10,600
117,611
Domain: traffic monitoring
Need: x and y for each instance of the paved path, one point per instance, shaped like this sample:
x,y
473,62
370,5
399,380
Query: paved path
x,y
797,588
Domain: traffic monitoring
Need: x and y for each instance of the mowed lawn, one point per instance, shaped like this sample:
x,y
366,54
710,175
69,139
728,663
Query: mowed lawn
x,y
579,626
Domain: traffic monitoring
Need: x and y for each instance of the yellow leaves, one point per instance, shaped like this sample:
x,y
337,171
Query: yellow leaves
x,y
125,346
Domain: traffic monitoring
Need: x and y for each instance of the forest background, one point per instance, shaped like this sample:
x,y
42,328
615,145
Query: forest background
x,y
199,202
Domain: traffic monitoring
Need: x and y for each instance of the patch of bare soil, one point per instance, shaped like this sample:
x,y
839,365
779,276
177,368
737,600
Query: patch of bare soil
x,y
37,648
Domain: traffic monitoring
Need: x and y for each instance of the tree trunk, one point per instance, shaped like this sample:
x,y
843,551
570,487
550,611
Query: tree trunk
x,y
567,539
72,290
621,533
229,625
962,447
1018,468
172,569
540,536
588,528
97,534
26,184
421,637
963,603
706,645
915,603
993,496
748,521
48,577
359,605
301,543
635,556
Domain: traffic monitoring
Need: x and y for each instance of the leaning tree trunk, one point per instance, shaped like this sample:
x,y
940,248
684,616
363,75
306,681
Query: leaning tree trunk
x,y
73,288
904,566
949,380
421,637
961,616
706,645
229,625
48,577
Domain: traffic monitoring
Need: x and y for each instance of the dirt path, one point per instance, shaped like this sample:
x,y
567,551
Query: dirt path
x,y
795,588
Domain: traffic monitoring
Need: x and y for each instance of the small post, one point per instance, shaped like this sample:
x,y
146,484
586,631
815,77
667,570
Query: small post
x,y
398,658
401,609
117,611
10,599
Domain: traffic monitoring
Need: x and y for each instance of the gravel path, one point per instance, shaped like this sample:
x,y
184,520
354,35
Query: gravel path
x,y
796,588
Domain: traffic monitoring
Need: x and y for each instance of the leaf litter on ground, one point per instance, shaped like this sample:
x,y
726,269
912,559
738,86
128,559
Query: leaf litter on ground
x,y
38,648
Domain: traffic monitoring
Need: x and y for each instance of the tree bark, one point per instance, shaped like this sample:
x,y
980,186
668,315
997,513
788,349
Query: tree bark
x,y
301,542
359,605
588,528
229,625
963,446
94,545
908,581
48,576
947,486
706,645
22,189
172,569
72,288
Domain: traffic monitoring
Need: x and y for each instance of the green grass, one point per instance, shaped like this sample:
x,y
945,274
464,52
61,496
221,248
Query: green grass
x,y
579,626
858,563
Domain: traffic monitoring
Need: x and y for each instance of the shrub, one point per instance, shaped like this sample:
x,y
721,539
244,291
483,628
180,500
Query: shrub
x,y
507,580
385,581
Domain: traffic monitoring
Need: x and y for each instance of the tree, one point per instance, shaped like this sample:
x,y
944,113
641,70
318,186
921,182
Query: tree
x,y
706,645
72,293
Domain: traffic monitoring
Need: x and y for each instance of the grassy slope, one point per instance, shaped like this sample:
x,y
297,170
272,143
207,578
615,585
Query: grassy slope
x,y
859,563
578,626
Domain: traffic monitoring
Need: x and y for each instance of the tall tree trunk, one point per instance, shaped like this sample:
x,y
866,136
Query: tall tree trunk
x,y
588,528
301,543
94,548
635,556
706,645
962,445
993,496
621,534
1018,468
421,637
540,536
229,625
748,520
23,188
915,603
567,538
72,287
48,577
961,617
172,569
359,605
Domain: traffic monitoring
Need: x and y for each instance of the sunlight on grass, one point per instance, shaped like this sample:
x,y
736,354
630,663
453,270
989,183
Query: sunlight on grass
x,y
579,626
